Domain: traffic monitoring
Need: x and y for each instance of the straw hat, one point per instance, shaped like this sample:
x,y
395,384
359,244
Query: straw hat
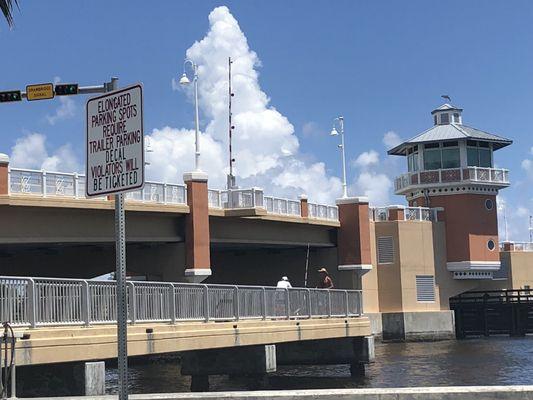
x,y
284,278
323,270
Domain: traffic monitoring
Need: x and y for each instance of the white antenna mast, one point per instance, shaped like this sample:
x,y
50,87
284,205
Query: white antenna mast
x,y
231,177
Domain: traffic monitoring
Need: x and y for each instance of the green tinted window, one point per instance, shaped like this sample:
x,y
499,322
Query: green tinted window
x,y
432,159
472,156
450,158
484,158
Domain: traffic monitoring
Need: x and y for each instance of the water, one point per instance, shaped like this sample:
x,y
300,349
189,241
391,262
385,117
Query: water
x,y
491,361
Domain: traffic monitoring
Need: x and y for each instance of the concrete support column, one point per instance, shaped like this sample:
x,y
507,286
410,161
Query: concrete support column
x,y
198,256
94,378
304,206
396,213
4,174
254,361
353,240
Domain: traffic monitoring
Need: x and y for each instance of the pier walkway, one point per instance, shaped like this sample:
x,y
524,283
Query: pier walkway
x,y
62,320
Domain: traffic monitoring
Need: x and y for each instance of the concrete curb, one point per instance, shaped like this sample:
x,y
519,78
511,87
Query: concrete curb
x,y
419,393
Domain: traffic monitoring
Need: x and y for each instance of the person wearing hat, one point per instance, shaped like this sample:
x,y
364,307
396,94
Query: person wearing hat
x,y
284,283
324,281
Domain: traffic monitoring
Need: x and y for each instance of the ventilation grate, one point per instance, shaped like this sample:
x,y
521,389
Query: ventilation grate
x,y
385,250
425,288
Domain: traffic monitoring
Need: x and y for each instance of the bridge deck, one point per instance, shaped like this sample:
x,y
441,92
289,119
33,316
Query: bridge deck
x,y
47,345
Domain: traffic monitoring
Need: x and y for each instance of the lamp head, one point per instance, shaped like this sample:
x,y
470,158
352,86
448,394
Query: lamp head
x,y
184,80
334,132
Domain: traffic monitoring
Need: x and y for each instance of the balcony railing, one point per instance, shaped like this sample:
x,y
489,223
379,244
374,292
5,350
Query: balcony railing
x,y
410,213
454,175
155,192
54,302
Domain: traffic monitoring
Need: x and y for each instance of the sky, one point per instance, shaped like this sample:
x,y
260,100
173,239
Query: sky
x,y
382,65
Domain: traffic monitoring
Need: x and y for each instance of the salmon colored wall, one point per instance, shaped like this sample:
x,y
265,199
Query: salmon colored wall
x,y
354,234
197,226
469,226
4,185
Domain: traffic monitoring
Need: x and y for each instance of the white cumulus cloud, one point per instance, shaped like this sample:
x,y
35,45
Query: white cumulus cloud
x,y
30,152
367,159
66,109
265,147
391,139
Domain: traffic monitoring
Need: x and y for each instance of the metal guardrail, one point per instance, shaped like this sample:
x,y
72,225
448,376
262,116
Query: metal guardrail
x,y
51,302
60,184
281,206
72,185
322,211
518,246
452,175
410,213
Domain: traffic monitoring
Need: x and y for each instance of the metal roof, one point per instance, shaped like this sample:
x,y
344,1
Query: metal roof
x,y
439,133
446,107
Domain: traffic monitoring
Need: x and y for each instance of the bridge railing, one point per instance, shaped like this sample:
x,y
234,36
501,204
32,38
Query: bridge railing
x,y
54,302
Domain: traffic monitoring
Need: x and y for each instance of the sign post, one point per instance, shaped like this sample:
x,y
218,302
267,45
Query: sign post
x,y
115,164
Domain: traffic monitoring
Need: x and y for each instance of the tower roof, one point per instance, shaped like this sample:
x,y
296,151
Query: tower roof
x,y
450,131
446,107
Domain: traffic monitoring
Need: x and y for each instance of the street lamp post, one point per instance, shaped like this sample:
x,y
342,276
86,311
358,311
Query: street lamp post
x,y
185,81
334,132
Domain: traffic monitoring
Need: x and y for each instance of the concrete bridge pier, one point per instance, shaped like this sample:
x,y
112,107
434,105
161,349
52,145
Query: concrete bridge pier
x,y
251,361
355,351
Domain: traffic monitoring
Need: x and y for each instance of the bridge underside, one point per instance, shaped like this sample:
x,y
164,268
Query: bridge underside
x,y
67,344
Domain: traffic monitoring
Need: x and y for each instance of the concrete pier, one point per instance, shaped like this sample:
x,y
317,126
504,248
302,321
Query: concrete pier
x,y
427,393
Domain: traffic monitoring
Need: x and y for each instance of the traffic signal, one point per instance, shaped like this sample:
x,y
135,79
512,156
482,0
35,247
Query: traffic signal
x,y
66,89
12,95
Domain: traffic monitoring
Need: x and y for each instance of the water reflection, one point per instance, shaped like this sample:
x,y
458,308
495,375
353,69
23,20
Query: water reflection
x,y
494,361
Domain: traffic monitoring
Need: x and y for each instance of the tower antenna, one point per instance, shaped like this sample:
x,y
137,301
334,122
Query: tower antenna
x,y
231,177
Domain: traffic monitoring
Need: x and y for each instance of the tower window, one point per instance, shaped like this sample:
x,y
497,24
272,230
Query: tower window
x,y
491,245
456,118
479,154
489,204
435,119
445,118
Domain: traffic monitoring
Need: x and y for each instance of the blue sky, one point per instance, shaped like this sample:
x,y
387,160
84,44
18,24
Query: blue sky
x,y
383,65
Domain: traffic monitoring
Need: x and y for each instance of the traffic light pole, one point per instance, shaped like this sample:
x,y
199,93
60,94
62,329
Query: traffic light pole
x,y
120,235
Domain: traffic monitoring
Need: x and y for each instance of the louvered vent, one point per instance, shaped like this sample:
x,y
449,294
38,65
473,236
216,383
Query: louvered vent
x,y
425,288
385,250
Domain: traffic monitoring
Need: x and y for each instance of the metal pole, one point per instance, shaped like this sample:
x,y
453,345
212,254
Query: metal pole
x,y
344,186
197,133
122,305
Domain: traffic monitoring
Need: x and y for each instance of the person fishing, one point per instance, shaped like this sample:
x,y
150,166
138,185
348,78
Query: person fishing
x,y
324,281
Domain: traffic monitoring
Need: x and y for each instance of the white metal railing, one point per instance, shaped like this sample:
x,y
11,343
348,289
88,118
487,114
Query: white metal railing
x,y
214,198
50,302
277,205
410,213
242,198
322,211
157,192
518,246
50,184
451,175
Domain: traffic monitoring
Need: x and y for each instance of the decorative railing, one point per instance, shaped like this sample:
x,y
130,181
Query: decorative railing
x,y
469,174
516,246
72,185
155,192
322,211
409,213
60,184
276,205
50,302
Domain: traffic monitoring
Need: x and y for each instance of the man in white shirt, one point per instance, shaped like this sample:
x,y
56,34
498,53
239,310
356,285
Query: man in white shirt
x,y
284,283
